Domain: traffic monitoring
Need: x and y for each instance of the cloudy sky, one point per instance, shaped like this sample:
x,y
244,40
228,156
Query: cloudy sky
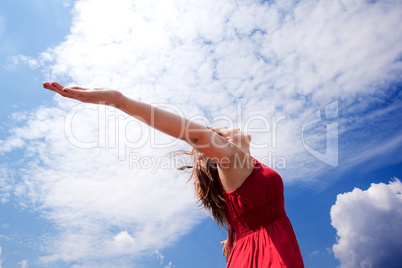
x,y
316,83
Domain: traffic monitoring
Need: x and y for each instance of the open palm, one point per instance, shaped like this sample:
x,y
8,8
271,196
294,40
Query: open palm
x,y
88,95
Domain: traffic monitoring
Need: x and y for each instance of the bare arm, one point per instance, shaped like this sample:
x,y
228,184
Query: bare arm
x,y
201,138
162,120
198,136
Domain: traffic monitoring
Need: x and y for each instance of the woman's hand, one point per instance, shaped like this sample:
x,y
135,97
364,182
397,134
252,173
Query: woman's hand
x,y
89,95
225,250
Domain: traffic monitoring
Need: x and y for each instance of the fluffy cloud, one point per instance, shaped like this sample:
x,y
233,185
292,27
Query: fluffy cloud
x,y
368,225
272,59
100,202
280,59
91,170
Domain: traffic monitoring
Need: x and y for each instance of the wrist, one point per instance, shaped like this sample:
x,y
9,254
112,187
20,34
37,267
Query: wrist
x,y
119,100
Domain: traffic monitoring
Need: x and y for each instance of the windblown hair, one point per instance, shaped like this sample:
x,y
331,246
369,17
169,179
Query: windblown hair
x,y
207,185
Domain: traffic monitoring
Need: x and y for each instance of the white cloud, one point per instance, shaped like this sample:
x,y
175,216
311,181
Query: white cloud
x,y
159,256
124,242
67,3
388,146
170,265
159,51
92,196
368,226
312,254
31,62
24,264
205,57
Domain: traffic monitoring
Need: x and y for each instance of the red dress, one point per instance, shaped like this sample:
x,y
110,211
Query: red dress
x,y
257,217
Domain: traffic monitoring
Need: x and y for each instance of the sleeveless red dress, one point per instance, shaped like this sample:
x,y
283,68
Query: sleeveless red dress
x,y
257,218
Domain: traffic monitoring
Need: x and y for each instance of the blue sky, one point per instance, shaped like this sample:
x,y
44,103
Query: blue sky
x,y
78,187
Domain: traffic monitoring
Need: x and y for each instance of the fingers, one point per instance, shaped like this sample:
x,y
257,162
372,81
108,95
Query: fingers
x,y
54,86
57,85
58,88
49,86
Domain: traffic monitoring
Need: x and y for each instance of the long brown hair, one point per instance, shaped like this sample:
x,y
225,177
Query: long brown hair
x,y
207,185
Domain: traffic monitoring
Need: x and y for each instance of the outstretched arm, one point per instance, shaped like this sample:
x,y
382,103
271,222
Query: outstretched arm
x,y
200,137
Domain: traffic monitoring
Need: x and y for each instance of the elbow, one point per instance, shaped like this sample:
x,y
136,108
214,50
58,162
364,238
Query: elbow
x,y
200,138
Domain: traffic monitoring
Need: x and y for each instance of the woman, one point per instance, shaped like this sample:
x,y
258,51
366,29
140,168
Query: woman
x,y
238,190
